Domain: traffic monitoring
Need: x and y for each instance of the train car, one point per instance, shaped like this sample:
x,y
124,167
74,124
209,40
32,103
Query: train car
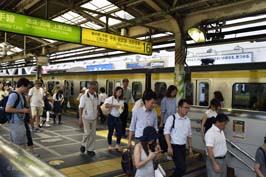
x,y
243,87
72,82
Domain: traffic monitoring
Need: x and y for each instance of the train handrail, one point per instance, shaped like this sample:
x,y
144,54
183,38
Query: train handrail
x,y
17,162
240,150
241,160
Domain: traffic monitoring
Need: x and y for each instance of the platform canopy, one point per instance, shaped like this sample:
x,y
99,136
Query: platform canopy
x,y
222,21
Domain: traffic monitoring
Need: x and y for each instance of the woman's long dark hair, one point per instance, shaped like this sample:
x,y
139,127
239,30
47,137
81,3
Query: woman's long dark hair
x,y
59,94
146,146
218,95
216,103
121,96
170,89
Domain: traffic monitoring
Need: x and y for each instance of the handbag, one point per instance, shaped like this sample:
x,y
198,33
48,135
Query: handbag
x,y
159,172
105,111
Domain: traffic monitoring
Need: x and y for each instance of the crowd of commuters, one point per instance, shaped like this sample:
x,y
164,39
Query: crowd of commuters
x,y
27,106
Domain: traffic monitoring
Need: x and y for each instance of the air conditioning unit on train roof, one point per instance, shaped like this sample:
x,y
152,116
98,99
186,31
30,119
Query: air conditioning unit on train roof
x,y
42,60
207,61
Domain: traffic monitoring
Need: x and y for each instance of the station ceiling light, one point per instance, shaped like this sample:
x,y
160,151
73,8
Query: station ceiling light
x,y
197,35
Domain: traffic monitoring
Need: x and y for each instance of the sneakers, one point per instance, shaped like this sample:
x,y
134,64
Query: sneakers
x,y
91,153
36,155
168,157
82,149
36,130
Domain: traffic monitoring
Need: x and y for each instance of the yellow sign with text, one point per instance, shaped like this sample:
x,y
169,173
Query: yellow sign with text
x,y
116,42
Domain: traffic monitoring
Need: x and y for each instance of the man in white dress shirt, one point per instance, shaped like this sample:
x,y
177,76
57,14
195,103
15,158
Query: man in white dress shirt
x,y
216,147
88,111
177,132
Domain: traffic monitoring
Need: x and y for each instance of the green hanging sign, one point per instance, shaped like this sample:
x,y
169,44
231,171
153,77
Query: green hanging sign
x,y
31,26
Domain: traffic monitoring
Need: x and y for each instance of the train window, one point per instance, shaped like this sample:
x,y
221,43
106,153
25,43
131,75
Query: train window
x,y
249,96
136,90
51,85
117,83
84,84
109,88
68,88
160,90
72,88
203,93
189,92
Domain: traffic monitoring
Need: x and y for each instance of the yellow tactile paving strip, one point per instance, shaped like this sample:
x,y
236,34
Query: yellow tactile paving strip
x,y
95,168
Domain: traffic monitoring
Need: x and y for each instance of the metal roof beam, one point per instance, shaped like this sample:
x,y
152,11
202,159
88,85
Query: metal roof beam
x,y
25,4
231,10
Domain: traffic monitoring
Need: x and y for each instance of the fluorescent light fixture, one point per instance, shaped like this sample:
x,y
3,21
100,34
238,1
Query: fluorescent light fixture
x,y
196,34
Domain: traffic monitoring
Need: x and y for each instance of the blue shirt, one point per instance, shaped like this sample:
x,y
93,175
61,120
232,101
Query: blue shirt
x,y
142,118
11,102
168,107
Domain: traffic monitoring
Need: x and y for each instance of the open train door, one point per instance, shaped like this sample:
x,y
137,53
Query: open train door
x,y
68,93
111,85
204,93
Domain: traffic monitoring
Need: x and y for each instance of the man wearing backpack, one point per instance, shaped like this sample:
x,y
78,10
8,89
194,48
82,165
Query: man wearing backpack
x,y
88,112
260,163
16,123
177,132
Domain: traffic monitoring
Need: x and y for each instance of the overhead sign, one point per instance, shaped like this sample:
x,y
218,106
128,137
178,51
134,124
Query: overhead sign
x,y
116,42
22,24
147,64
31,26
101,67
222,59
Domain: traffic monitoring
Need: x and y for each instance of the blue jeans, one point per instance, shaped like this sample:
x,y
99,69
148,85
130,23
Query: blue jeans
x,y
114,123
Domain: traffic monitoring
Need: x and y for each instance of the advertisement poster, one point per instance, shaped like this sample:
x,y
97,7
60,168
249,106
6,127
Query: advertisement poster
x,y
239,129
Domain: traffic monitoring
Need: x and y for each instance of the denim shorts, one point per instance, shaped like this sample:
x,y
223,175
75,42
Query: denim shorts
x,y
17,132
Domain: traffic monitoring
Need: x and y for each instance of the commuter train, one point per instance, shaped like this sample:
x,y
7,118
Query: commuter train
x,y
242,85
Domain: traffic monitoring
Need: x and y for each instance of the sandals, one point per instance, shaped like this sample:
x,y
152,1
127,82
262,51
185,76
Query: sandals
x,y
119,149
110,149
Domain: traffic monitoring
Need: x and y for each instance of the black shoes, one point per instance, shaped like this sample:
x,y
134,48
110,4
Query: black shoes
x,y
91,153
82,149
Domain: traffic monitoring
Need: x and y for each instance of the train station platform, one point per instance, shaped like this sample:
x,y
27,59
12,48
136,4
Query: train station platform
x,y
58,145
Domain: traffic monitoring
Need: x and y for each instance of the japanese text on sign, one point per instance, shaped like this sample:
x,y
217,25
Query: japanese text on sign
x,y
101,39
31,26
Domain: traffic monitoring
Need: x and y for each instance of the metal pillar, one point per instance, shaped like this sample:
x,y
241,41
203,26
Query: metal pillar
x,y
180,57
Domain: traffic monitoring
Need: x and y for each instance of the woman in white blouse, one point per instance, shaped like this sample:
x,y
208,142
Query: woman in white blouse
x,y
116,104
209,116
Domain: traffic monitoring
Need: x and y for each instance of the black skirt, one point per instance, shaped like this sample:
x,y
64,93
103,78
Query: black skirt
x,y
57,107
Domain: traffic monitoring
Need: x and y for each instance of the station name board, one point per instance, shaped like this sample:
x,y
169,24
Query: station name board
x,y
31,26
116,42
16,23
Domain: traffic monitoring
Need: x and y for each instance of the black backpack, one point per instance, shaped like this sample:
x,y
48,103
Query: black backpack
x,y
5,116
162,141
127,163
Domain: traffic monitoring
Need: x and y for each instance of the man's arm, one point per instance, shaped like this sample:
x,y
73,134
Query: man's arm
x,y
189,141
132,128
257,170
215,165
